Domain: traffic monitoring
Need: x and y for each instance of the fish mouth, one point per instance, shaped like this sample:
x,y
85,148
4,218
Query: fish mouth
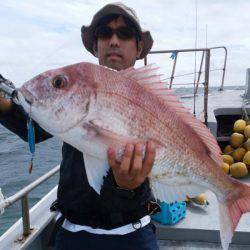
x,y
27,96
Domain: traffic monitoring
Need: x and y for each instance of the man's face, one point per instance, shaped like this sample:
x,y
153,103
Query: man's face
x,y
117,53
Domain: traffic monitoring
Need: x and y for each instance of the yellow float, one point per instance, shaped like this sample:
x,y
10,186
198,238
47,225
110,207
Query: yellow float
x,y
237,139
238,154
238,170
228,159
239,126
225,167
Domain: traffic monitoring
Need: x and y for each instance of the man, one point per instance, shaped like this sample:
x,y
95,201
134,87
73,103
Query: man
x,y
118,218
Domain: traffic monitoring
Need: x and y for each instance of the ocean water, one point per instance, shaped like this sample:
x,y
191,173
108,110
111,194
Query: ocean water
x,y
14,175
14,162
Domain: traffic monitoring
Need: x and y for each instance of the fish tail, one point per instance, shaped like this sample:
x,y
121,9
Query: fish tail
x,y
231,211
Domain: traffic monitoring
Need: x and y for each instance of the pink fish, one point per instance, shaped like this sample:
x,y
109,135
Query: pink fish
x,y
92,108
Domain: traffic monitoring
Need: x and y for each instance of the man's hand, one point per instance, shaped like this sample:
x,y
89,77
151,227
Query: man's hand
x,y
5,104
132,171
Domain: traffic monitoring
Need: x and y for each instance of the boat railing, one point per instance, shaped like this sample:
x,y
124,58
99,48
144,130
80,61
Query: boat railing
x,y
206,53
23,196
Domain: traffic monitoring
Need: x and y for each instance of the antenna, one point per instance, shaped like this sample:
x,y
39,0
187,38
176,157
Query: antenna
x,y
195,45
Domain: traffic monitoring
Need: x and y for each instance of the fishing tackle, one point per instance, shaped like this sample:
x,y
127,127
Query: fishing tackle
x,y
31,141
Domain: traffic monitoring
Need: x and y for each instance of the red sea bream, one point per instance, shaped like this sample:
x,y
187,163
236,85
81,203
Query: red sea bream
x,y
92,108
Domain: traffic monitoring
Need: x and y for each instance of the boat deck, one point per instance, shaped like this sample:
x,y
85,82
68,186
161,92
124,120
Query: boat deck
x,y
216,99
192,245
200,229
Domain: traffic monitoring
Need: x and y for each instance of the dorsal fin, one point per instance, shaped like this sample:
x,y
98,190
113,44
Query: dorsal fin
x,y
145,73
149,78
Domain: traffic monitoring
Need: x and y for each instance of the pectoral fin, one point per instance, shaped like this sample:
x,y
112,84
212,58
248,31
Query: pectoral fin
x,y
96,169
111,138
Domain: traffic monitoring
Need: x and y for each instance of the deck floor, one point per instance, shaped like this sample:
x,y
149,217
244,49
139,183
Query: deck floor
x,y
187,245
200,229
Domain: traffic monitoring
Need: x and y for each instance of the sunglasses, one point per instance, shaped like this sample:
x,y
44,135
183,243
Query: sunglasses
x,y
123,32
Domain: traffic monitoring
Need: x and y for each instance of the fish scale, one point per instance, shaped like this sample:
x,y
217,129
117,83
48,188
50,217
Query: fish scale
x,y
97,108
119,105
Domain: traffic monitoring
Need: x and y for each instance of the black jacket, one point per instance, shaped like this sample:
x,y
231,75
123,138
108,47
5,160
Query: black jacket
x,y
77,200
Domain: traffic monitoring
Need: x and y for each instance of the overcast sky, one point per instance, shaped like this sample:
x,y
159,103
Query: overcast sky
x,y
39,35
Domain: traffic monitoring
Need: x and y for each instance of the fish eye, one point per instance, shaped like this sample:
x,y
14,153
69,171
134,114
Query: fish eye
x,y
59,81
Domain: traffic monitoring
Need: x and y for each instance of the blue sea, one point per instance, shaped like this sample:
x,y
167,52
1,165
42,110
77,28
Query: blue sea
x,y
14,175
14,163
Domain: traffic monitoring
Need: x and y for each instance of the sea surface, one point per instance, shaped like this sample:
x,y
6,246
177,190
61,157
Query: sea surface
x,y
15,160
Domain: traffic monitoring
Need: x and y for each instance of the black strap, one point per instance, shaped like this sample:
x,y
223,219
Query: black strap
x,y
109,221
112,220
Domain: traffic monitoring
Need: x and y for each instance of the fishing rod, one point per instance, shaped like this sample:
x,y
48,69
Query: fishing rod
x,y
9,89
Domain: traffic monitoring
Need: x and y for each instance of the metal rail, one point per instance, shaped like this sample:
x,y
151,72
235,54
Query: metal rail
x,y
202,59
206,52
23,195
